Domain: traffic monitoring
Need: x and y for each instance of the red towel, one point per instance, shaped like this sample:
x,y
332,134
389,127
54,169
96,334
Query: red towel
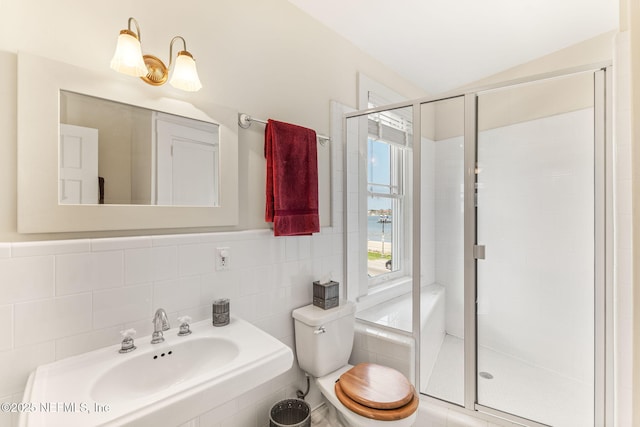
x,y
292,179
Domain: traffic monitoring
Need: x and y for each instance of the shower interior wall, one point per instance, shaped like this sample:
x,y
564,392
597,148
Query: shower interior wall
x,y
504,287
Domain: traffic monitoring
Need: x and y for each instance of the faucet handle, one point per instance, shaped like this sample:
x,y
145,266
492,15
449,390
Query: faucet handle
x,y
184,325
128,333
127,344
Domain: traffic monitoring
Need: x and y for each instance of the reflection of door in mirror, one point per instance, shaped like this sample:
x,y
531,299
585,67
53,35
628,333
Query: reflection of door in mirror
x,y
78,165
187,153
144,156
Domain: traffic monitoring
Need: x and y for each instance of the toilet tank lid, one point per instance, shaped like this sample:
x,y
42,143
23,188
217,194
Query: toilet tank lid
x,y
315,316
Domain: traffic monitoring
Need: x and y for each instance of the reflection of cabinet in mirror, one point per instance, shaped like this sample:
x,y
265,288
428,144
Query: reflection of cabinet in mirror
x,y
145,157
187,159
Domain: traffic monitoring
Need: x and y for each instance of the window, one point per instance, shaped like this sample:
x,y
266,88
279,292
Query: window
x,y
378,173
388,143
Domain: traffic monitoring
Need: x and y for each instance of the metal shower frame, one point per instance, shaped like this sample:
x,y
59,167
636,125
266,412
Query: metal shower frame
x,y
603,219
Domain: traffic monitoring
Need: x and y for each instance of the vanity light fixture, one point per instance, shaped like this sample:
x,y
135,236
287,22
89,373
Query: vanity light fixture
x,y
128,59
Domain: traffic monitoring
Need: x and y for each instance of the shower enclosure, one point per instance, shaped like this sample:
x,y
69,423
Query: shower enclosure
x,y
510,196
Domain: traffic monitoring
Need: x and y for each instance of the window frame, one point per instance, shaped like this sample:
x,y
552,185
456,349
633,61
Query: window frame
x,y
399,226
370,90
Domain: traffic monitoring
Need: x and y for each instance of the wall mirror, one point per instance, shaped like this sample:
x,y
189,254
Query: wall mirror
x,y
138,192
115,153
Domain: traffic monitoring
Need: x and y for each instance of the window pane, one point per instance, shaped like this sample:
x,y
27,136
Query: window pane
x,y
379,170
379,236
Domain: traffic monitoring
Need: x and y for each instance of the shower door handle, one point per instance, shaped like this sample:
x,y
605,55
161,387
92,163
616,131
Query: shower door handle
x,y
478,251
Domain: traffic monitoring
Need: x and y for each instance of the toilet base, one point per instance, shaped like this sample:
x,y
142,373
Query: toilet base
x,y
326,415
326,385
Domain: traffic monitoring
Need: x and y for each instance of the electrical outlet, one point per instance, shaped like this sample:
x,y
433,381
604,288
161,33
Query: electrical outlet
x,y
223,258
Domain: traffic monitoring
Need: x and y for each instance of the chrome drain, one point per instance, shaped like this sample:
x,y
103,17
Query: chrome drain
x,y
485,375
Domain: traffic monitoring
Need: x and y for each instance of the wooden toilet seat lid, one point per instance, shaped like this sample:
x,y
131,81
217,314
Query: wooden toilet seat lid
x,y
376,386
378,414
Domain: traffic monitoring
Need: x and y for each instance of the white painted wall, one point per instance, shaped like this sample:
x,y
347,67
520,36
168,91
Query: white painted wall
x,y
264,58
623,225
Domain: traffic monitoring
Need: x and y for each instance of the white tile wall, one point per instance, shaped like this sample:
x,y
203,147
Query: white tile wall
x,y
374,345
82,343
58,299
5,250
446,271
43,320
428,229
164,262
26,278
448,224
543,204
114,306
83,272
6,333
137,266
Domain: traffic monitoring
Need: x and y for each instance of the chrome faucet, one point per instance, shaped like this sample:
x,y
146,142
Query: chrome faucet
x,y
160,323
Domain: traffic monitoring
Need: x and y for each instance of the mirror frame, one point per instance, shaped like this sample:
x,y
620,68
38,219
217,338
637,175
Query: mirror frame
x,y
39,83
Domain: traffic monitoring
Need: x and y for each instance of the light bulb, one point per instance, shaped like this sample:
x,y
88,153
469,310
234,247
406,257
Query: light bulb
x,y
127,58
185,75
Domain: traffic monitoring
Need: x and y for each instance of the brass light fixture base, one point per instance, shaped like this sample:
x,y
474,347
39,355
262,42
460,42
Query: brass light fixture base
x,y
158,72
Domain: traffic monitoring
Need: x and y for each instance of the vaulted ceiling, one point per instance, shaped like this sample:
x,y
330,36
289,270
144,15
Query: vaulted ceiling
x,y
444,44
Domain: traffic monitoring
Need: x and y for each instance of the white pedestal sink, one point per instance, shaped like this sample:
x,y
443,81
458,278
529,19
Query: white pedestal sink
x,y
157,384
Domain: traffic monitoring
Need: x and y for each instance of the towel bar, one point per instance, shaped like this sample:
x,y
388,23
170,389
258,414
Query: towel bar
x,y
245,120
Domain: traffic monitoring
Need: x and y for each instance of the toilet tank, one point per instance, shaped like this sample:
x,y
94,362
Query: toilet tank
x,y
324,338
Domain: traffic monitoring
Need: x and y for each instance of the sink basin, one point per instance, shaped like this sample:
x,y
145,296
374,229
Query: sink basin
x,y
156,384
151,372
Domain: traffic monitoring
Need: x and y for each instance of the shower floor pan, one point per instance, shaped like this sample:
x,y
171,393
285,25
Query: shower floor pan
x,y
515,387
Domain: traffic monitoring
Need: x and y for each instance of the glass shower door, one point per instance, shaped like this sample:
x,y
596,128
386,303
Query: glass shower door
x,y
536,282
442,333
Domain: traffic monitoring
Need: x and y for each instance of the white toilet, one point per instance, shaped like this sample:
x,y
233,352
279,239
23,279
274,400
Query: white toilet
x,y
324,339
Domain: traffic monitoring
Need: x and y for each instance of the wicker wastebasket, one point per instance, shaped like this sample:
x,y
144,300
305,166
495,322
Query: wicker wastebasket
x,y
290,413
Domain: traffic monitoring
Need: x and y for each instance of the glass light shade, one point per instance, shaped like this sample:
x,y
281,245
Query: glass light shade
x,y
185,75
127,58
